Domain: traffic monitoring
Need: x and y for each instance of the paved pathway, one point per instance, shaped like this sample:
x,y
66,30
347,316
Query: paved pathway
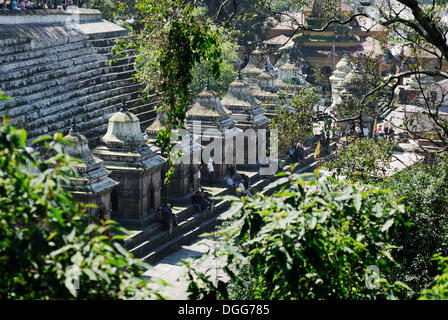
x,y
170,271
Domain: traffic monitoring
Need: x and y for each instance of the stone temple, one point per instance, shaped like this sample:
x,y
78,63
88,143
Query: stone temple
x,y
183,183
248,115
216,124
93,184
134,164
56,66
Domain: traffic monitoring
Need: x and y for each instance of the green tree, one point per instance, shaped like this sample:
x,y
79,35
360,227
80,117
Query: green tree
x,y
313,239
423,190
439,291
294,121
220,84
45,236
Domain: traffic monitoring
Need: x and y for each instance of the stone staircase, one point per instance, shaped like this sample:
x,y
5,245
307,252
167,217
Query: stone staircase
x,y
153,242
57,74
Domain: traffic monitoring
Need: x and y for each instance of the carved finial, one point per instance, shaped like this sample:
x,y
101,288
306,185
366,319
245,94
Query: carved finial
x,y
74,128
291,60
208,86
124,107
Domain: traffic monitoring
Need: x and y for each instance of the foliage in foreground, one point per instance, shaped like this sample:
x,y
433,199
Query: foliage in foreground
x,y
423,190
45,238
439,291
314,239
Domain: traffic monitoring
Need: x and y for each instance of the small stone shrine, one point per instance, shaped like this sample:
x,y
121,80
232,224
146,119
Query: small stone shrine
x,y
247,113
246,110
93,185
184,181
289,79
210,122
257,61
134,164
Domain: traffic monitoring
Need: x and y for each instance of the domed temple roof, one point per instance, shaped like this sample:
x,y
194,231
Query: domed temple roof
x,y
92,177
123,131
210,113
124,146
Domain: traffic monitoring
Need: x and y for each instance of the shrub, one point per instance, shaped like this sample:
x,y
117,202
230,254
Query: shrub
x,y
424,191
46,240
311,240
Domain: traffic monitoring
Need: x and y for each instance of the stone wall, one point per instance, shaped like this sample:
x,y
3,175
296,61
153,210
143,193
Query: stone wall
x,y
56,66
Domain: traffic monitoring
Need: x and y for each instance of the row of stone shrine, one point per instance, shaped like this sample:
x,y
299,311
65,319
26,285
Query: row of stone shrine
x,y
124,174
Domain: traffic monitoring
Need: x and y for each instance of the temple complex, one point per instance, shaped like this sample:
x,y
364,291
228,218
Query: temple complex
x,y
209,121
134,164
92,185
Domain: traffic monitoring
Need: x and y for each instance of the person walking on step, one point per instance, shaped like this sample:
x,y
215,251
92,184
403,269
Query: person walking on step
x,y
199,174
170,217
211,170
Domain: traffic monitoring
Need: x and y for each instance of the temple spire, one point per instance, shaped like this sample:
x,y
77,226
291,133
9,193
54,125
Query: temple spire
x,y
124,107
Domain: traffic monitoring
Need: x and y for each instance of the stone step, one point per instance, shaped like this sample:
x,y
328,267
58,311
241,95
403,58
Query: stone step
x,y
44,89
25,72
65,117
108,34
48,102
80,69
162,236
46,59
25,56
181,236
108,42
10,42
161,243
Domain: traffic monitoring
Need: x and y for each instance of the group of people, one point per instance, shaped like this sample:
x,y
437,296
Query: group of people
x,y
210,171
239,182
18,5
389,133
166,216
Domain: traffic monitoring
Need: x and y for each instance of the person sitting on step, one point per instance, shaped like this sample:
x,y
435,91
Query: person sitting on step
x,y
205,199
4,6
14,5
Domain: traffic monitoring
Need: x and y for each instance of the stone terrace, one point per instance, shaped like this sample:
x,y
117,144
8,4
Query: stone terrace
x,y
57,66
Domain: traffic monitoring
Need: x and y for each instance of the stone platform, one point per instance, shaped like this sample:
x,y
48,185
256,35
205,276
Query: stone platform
x,y
57,65
44,16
